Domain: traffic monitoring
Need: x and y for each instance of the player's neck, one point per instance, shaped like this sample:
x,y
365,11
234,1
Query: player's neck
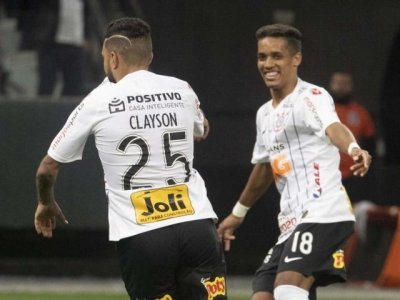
x,y
135,68
128,70
281,93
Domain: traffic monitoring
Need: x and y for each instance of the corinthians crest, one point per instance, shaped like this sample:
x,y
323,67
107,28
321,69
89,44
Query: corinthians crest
x,y
280,121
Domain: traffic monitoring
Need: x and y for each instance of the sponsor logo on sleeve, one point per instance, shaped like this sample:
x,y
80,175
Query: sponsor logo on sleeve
x,y
68,125
316,91
313,110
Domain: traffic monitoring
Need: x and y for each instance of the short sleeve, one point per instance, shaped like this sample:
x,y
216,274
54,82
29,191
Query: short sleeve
x,y
198,120
69,143
198,129
260,154
319,111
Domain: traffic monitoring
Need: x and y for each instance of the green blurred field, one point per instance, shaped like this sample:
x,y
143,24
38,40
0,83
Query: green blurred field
x,y
53,296
49,296
77,297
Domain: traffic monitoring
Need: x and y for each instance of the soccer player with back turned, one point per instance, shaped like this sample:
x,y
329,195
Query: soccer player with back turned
x,y
159,214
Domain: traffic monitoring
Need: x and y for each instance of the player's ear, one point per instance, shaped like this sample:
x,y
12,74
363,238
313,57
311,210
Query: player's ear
x,y
297,57
114,60
151,58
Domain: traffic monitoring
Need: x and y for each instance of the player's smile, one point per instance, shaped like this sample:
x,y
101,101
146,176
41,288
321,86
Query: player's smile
x,y
271,75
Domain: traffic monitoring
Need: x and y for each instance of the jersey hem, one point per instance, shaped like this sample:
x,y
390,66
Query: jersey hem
x,y
129,233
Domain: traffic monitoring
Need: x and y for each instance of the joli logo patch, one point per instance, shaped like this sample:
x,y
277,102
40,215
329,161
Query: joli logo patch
x,y
160,204
215,288
166,297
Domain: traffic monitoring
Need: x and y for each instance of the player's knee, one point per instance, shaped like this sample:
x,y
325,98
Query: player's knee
x,y
290,292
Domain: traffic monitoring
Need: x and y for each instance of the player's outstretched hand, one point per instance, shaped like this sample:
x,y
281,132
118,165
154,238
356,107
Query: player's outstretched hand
x,y
362,161
226,229
46,216
206,131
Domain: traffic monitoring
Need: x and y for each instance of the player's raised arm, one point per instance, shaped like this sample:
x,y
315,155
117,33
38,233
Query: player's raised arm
x,y
342,138
47,210
259,180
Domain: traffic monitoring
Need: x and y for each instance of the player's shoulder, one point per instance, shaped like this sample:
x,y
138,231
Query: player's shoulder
x,y
100,91
264,110
171,81
310,95
265,107
312,90
100,94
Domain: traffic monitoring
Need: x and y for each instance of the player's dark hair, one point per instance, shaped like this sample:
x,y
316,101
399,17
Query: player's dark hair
x,y
292,35
135,30
132,28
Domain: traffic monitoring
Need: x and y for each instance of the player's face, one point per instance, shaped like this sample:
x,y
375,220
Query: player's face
x,y
277,63
106,64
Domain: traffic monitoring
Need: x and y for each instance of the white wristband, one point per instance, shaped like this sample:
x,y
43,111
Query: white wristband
x,y
352,146
240,210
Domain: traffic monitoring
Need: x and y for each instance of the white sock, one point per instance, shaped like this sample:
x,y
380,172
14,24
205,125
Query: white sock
x,y
290,292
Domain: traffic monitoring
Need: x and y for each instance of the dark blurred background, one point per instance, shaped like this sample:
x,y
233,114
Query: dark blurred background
x,y
211,44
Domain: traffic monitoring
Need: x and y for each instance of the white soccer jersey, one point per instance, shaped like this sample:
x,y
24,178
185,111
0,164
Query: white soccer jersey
x,y
291,137
143,128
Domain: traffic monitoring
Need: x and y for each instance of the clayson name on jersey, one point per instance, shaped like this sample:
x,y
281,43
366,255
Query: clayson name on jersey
x,y
153,121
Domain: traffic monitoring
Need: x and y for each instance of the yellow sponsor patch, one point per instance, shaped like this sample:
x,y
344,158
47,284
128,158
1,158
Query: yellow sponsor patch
x,y
165,297
215,288
338,259
160,204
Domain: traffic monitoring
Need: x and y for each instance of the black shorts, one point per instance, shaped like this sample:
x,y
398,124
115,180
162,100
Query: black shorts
x,y
181,261
312,249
